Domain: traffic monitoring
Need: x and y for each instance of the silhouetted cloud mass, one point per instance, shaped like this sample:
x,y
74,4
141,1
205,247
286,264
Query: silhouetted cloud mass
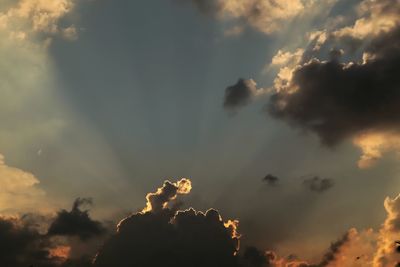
x,y
21,244
339,100
240,94
253,257
160,199
76,222
271,180
334,250
317,184
163,237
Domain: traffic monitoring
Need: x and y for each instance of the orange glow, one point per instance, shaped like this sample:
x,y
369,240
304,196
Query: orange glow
x,y
61,252
374,144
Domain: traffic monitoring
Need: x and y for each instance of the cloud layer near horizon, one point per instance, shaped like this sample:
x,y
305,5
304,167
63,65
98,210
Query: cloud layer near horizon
x,y
173,237
163,236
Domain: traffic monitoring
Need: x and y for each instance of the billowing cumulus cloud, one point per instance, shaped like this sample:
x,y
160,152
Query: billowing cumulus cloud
x,y
162,237
357,251
170,237
387,254
267,16
29,17
164,195
286,61
19,190
241,93
334,250
338,99
374,144
23,245
375,17
317,184
76,222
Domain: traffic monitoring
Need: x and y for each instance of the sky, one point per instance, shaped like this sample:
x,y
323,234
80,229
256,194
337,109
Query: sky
x,y
239,133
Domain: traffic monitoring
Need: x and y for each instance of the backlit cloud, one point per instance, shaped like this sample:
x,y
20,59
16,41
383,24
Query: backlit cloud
x,y
341,100
169,191
241,93
267,16
19,190
29,17
76,222
161,236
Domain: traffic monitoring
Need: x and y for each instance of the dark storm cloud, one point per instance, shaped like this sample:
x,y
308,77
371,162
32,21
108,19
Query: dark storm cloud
x,y
254,257
337,101
317,184
24,241
161,236
239,94
188,238
270,179
76,222
21,244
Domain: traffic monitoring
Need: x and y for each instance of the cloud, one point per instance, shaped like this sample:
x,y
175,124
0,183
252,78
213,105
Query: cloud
x,y
374,144
19,190
357,99
375,18
334,250
357,250
270,179
76,222
317,184
241,93
342,85
273,260
169,237
266,16
169,191
28,239
387,253
254,257
337,100
163,237
31,17
23,245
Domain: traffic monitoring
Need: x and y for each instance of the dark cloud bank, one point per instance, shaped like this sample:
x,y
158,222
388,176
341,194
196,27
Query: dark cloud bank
x,y
23,243
159,235
338,100
76,222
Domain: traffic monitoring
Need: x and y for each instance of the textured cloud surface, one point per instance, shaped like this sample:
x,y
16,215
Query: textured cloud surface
x,y
241,93
170,237
161,236
24,240
344,84
19,190
267,16
355,99
76,222
26,18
